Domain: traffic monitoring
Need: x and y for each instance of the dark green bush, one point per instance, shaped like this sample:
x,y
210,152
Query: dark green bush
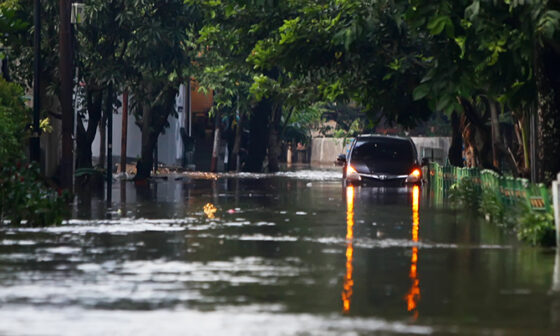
x,y
537,227
465,194
24,197
13,120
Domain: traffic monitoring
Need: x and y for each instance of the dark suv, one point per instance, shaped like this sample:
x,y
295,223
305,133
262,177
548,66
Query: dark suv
x,y
381,159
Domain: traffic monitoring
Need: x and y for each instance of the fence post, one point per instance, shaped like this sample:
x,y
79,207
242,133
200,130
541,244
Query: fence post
x,y
556,202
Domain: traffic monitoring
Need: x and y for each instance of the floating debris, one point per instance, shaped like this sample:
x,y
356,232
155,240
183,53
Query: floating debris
x,y
210,210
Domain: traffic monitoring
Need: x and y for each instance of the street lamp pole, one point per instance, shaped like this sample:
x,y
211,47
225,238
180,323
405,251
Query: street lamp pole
x,y
35,142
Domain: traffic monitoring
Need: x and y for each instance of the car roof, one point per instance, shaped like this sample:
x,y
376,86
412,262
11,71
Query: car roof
x,y
381,137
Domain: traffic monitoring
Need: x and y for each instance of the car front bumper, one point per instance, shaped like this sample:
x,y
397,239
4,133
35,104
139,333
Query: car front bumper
x,y
383,179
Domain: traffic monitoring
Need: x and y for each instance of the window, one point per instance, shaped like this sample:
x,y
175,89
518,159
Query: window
x,y
382,150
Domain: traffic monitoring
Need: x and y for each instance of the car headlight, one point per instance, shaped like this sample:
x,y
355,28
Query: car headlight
x,y
414,176
352,174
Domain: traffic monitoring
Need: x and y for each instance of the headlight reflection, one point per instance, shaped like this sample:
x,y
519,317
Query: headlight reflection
x,y
413,295
348,280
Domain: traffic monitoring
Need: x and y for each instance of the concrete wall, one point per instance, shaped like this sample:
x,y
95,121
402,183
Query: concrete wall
x,y
326,150
434,148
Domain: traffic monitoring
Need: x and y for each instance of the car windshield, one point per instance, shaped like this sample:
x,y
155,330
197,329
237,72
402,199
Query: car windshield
x,y
383,151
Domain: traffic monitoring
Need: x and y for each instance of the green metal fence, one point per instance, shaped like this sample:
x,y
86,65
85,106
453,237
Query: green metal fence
x,y
510,190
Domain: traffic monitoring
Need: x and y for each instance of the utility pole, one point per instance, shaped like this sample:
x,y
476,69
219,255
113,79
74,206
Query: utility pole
x,y
35,142
65,69
109,113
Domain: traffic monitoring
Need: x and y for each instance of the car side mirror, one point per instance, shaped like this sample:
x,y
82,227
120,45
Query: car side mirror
x,y
341,159
425,161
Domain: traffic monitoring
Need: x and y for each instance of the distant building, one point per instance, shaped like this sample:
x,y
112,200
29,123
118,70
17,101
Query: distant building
x,y
170,144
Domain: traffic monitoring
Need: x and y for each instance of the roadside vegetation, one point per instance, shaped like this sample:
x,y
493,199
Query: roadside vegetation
x,y
24,196
514,212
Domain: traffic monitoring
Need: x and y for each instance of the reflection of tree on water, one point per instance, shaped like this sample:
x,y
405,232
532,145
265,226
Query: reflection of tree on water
x,y
413,295
348,280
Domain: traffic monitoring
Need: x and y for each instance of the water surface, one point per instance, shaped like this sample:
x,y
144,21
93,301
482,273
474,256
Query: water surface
x,y
272,254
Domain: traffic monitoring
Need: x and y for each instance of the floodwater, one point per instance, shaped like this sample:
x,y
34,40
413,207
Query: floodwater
x,y
294,253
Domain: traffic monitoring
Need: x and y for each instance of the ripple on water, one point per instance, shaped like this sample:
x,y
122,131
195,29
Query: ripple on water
x,y
390,243
249,320
259,237
23,242
142,282
115,226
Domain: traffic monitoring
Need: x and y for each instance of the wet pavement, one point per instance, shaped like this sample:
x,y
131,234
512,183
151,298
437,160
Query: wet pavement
x,y
294,253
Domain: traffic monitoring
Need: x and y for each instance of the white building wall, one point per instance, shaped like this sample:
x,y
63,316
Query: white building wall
x,y
170,144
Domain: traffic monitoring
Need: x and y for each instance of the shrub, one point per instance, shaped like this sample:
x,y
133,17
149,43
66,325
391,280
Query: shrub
x,y
536,227
24,197
465,194
13,120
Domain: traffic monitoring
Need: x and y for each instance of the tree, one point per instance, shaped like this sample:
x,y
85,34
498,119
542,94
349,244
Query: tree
x,y
140,46
159,59
401,60
352,51
232,31
498,51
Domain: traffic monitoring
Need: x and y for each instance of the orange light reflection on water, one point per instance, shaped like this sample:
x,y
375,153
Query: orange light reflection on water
x,y
348,280
413,295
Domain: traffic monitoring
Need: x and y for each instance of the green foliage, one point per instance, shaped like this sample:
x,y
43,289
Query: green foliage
x,y
16,37
299,123
534,226
13,120
537,227
23,195
10,22
356,127
492,208
24,199
465,194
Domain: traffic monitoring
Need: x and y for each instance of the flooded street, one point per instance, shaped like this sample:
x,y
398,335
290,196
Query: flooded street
x,y
285,254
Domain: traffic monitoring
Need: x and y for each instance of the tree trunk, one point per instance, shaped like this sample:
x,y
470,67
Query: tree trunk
x,y
237,144
146,162
5,70
85,137
477,135
496,135
158,104
455,153
548,85
273,140
124,130
524,144
258,136
65,70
